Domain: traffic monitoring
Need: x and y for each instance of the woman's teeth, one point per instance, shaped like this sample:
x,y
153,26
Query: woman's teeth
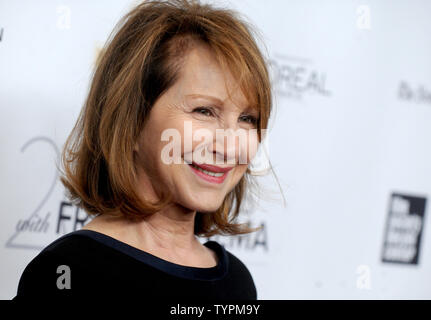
x,y
213,174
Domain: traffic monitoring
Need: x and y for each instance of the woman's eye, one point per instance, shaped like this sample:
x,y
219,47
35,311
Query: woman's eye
x,y
204,111
249,119
209,113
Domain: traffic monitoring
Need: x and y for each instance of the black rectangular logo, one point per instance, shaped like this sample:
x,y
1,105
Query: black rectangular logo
x,y
404,228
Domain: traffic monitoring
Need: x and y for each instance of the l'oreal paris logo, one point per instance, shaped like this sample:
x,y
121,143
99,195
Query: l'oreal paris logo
x,y
294,77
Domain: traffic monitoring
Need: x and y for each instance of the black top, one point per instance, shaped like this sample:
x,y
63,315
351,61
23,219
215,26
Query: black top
x,y
99,265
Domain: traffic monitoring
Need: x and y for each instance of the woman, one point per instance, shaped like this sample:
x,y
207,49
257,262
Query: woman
x,y
172,66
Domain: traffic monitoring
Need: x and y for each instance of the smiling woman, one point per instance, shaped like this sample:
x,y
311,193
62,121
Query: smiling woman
x,y
170,63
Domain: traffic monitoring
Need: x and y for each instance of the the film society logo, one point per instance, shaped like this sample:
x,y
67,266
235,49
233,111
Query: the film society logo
x,y
404,227
294,77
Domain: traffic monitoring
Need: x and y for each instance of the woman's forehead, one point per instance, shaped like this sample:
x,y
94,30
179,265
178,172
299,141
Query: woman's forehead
x,y
202,78
219,93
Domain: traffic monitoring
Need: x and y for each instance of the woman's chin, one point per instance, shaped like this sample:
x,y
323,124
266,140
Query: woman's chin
x,y
206,209
201,205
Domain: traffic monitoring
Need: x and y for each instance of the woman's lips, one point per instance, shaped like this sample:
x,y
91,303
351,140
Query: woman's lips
x,y
213,174
212,168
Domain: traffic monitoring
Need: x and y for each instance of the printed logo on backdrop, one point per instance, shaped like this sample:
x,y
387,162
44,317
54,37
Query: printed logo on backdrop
x,y
296,77
414,93
1,34
46,222
404,227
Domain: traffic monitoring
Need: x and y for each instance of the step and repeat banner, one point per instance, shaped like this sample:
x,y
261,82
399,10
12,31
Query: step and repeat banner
x,y
346,214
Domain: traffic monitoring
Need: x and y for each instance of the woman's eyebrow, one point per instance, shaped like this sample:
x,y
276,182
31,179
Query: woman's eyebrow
x,y
215,99
197,95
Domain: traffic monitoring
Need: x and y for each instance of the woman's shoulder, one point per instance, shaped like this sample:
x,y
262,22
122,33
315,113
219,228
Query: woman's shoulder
x,y
238,275
75,248
235,263
237,266
47,272
72,247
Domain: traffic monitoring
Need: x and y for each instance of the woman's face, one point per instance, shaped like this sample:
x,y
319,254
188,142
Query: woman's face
x,y
192,101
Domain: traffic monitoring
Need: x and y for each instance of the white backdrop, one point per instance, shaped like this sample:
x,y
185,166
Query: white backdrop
x,y
350,141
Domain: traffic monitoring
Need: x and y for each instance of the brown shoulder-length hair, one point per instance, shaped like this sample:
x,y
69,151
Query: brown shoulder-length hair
x,y
140,61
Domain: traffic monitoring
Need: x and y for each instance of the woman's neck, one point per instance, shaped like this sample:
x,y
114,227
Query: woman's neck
x,y
167,234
